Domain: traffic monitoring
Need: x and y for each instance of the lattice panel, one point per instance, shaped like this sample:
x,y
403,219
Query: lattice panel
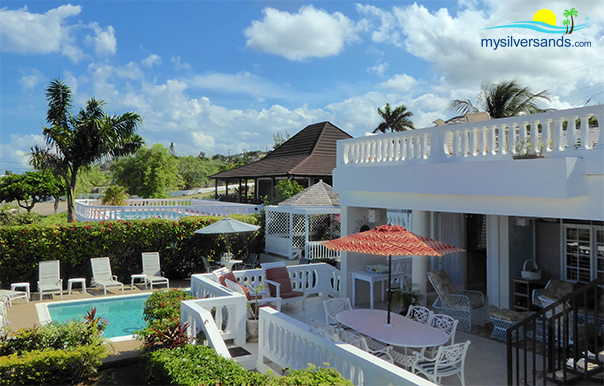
x,y
277,223
323,227
298,230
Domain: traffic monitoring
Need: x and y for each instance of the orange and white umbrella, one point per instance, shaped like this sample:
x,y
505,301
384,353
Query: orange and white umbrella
x,y
388,240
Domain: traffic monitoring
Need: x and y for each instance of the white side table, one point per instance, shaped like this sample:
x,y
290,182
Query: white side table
x,y
24,285
80,280
140,276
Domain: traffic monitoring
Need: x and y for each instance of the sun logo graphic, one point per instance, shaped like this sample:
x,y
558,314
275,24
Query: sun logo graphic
x,y
544,20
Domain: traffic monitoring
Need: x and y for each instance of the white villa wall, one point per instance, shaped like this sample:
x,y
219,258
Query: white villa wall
x,y
469,168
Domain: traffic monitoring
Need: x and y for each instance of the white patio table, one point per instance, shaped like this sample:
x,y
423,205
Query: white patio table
x,y
229,263
402,331
372,278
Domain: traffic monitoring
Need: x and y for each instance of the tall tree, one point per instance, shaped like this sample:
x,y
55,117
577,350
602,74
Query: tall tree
x,y
395,120
504,99
75,141
150,173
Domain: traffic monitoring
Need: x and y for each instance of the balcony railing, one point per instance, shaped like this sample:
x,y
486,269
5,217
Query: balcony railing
x,y
475,141
137,209
561,343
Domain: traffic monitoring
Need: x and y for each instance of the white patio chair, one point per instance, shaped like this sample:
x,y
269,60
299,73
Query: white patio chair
x,y
49,278
447,324
420,314
281,285
333,306
152,271
10,295
360,341
101,274
449,360
324,330
464,305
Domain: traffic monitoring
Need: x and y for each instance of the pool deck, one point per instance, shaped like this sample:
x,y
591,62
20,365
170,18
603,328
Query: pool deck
x,y
23,314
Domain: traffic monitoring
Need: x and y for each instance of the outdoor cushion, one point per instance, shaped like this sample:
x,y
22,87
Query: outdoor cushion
x,y
442,282
558,289
231,276
507,315
281,276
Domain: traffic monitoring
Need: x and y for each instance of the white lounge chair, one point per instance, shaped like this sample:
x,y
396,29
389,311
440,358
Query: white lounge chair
x,y
101,274
49,278
152,271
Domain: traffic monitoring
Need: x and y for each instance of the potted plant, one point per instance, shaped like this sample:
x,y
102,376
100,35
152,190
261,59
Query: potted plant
x,y
527,149
406,297
252,316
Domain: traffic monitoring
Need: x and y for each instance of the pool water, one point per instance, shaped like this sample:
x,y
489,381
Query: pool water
x,y
124,313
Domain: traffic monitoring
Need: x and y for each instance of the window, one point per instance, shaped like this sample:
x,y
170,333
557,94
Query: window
x,y
583,250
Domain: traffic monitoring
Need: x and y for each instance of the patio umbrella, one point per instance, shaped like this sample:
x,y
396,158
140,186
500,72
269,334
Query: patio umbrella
x,y
388,240
227,225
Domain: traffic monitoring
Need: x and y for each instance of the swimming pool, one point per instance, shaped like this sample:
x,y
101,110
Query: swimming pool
x,y
124,313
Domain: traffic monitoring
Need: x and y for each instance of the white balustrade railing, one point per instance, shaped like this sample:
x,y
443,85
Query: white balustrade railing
x,y
316,250
474,141
136,209
290,344
401,219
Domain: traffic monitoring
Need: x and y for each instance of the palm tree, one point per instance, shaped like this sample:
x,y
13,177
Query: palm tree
x,y
566,23
395,120
504,99
571,13
73,142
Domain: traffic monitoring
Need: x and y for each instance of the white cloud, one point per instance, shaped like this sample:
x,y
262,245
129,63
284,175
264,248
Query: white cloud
x,y
378,69
240,83
386,31
309,33
151,60
25,33
28,82
104,41
180,66
400,82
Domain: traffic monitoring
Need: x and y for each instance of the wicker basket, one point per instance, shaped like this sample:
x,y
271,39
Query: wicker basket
x,y
532,274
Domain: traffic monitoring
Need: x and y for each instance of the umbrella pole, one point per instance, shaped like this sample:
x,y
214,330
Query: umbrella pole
x,y
389,284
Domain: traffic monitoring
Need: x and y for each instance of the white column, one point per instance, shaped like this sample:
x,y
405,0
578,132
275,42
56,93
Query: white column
x,y
421,264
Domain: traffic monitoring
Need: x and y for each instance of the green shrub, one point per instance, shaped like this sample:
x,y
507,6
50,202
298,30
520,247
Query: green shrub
x,y
51,367
23,246
196,365
162,314
201,365
57,353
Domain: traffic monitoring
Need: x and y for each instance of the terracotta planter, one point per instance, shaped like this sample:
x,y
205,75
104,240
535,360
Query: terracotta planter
x,y
252,330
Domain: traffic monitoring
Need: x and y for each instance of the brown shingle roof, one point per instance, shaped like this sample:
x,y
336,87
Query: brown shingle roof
x,y
311,152
320,194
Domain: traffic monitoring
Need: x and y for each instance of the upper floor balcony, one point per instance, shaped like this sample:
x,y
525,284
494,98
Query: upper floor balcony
x,y
476,159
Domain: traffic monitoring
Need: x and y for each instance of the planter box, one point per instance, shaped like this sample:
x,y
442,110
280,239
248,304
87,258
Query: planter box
x,y
527,156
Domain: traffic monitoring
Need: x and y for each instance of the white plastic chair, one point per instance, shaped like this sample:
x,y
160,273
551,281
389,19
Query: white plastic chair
x,y
420,314
333,306
101,274
449,360
152,270
49,278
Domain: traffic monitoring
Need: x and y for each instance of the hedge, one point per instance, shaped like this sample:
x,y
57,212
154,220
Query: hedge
x,y
23,246
201,365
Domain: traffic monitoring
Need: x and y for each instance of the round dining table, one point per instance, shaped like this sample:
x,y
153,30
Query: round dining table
x,y
401,331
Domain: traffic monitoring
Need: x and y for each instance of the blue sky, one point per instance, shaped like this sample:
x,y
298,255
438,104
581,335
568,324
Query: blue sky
x,y
223,76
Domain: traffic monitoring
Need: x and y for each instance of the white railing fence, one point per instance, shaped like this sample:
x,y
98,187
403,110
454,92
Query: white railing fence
x,y
137,209
402,219
316,250
290,344
556,130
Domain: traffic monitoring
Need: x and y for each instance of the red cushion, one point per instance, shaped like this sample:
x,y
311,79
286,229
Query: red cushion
x,y
291,294
286,286
247,292
228,275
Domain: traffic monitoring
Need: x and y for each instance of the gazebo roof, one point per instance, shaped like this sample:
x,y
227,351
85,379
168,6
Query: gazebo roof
x,y
311,152
320,194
